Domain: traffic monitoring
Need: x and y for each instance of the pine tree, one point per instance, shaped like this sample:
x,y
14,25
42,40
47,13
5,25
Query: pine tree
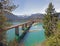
x,y
2,17
50,20
5,6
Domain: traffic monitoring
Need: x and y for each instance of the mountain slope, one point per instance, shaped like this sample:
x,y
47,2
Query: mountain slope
x,y
12,17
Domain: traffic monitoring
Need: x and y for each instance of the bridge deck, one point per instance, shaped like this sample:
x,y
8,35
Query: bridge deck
x,y
14,26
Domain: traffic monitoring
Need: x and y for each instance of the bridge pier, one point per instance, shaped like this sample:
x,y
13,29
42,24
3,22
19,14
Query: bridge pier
x,y
17,30
23,27
26,25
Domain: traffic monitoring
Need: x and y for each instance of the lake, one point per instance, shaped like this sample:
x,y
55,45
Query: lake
x,y
34,36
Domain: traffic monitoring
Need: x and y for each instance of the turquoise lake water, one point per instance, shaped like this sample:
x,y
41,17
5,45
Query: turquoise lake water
x,y
34,36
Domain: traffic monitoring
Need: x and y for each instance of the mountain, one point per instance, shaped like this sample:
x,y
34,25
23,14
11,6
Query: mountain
x,y
36,16
12,17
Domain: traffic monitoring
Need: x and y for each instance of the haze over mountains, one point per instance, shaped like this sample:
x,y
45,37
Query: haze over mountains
x,y
12,17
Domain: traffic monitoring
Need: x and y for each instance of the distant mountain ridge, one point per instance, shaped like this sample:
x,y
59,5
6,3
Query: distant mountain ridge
x,y
12,17
36,16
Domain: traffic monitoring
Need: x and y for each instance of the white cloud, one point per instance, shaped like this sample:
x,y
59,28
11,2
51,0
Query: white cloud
x,y
29,7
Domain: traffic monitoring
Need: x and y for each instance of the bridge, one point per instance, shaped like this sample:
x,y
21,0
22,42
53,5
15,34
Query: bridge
x,y
25,27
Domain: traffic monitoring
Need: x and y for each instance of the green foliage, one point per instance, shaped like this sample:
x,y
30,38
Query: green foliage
x,y
52,27
2,20
0,6
50,9
53,40
7,6
50,20
2,17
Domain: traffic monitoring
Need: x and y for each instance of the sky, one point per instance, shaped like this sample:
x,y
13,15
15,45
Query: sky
x,y
28,7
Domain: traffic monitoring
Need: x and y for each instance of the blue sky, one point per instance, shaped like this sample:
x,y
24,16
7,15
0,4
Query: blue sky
x,y
27,7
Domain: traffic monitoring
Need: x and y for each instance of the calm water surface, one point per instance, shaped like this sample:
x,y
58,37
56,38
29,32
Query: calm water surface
x,y
34,36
